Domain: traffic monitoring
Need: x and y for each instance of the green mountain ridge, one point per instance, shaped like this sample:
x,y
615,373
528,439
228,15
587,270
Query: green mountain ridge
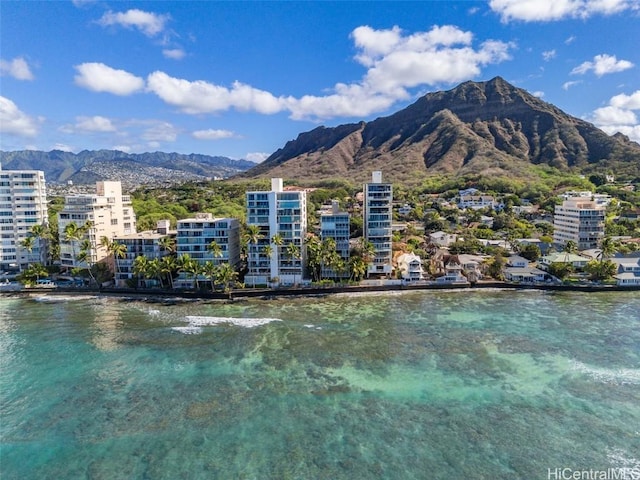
x,y
88,166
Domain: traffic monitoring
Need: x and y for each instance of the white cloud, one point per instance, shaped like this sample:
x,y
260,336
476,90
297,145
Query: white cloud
x,y
174,53
619,116
396,62
94,124
148,23
212,134
602,65
613,116
63,147
538,94
568,85
122,148
17,68
548,55
570,40
204,97
550,10
160,132
99,77
15,122
257,157
631,102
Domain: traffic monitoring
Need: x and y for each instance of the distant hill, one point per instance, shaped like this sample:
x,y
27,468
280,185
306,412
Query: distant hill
x,y
489,128
132,169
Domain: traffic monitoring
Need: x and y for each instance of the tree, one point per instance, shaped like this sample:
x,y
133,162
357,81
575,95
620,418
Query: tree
x,y
531,252
560,270
72,234
357,267
210,270
168,244
32,274
215,249
601,270
141,267
28,243
226,276
168,267
293,251
607,249
495,267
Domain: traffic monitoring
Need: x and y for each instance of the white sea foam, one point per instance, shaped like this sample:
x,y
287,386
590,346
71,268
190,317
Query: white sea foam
x,y
190,330
62,298
200,321
622,376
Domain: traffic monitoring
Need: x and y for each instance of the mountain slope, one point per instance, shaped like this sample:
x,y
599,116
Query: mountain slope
x,y
145,168
478,127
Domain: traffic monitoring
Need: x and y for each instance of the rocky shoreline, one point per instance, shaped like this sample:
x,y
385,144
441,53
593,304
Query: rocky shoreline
x,y
271,293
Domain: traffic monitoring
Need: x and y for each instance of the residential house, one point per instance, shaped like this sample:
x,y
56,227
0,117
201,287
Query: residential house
x,y
628,270
577,261
443,239
410,267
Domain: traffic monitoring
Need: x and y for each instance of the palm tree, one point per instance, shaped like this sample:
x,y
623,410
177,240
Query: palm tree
x,y
28,243
267,251
168,244
277,240
253,234
141,267
72,234
607,249
168,267
357,267
215,249
154,269
293,251
210,270
226,276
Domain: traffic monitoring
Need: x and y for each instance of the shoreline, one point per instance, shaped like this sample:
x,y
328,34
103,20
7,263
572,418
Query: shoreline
x,y
272,293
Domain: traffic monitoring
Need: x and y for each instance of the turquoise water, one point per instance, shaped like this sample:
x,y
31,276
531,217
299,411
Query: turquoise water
x,y
442,385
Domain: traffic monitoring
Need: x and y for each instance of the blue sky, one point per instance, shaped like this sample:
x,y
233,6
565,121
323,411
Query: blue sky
x,y
242,78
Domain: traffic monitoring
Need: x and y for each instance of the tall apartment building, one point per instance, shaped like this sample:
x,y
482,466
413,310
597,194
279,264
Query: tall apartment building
x,y
111,215
335,225
378,216
147,244
196,234
23,204
278,214
580,219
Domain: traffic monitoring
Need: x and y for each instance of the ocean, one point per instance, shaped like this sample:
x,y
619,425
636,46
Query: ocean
x,y
413,385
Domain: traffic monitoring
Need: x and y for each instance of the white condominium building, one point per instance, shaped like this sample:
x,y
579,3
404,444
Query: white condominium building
x,y
23,205
110,214
378,216
579,219
195,236
147,244
335,225
279,251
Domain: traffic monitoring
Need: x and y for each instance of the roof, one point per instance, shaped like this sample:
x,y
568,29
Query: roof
x,y
563,257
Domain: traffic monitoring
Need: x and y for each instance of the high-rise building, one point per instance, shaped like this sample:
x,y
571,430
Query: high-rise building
x,y
581,220
278,254
110,215
23,205
147,244
195,236
378,216
335,225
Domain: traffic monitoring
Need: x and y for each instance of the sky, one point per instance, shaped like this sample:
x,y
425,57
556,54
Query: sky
x,y
241,78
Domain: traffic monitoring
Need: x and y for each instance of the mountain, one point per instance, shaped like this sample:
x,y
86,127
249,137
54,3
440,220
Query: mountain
x,y
489,128
132,169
